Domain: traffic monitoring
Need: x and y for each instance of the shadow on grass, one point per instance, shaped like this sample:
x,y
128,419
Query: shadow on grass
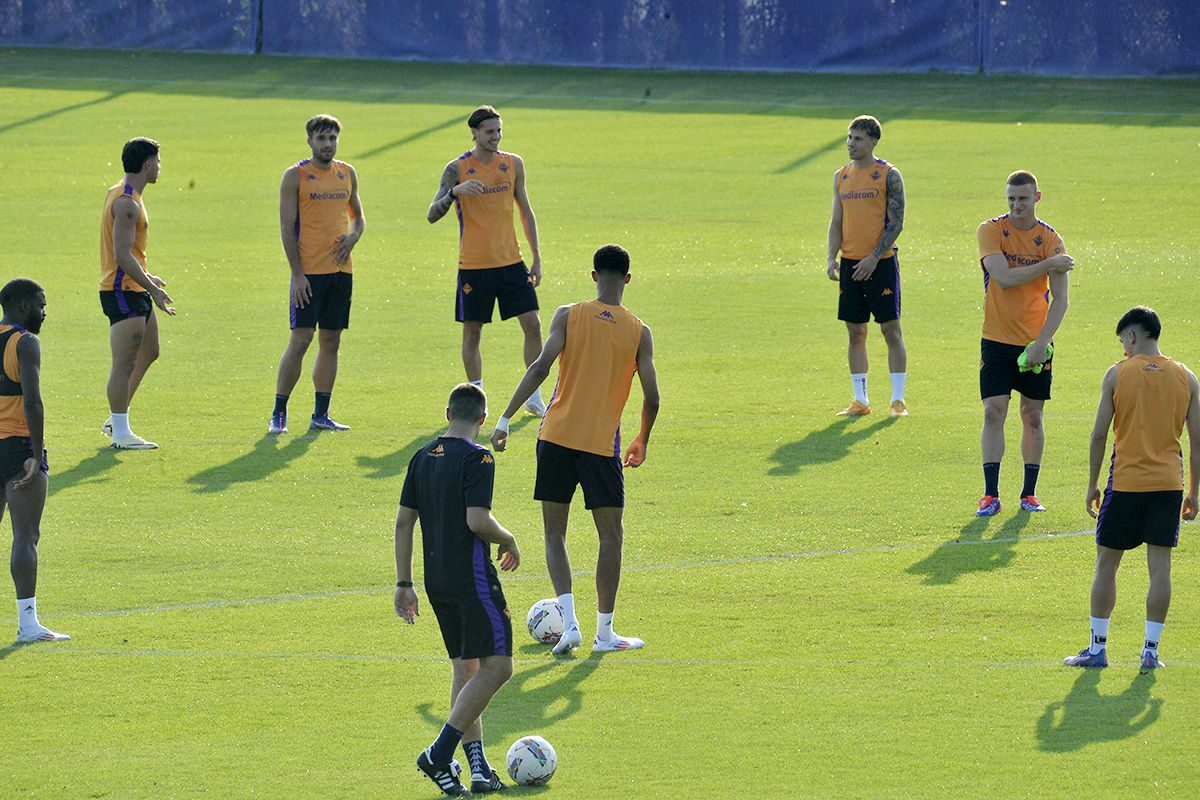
x,y
13,649
86,471
824,446
267,456
1085,716
971,552
532,701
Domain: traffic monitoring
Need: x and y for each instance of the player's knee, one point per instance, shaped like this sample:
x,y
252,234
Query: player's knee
x,y
857,334
472,332
612,535
531,324
26,535
994,414
1032,417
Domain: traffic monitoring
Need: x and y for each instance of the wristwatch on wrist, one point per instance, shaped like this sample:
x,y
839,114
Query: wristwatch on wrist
x,y
404,584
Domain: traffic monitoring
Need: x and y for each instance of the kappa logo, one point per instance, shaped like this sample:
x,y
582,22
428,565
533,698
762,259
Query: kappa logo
x,y
310,176
888,292
470,170
875,175
487,459
1151,368
467,288
1038,240
437,451
503,167
844,175
1005,232
341,175
607,316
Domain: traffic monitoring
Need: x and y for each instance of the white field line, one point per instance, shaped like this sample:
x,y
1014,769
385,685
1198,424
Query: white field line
x,y
724,562
442,94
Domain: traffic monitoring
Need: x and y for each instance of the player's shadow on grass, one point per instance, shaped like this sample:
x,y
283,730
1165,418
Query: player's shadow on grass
x,y
825,446
393,464
971,552
267,456
88,470
532,701
13,649
1085,716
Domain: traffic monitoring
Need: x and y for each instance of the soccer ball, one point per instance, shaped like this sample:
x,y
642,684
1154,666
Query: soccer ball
x,y
545,621
531,761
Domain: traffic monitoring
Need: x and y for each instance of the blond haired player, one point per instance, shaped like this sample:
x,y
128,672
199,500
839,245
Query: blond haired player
x,y
601,345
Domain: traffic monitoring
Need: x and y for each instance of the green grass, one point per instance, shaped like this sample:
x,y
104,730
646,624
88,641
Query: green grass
x,y
825,616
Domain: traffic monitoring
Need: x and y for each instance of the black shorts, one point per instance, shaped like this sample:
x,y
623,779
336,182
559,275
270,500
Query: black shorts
x,y
13,452
121,305
999,373
1128,519
478,290
329,306
878,295
560,469
474,627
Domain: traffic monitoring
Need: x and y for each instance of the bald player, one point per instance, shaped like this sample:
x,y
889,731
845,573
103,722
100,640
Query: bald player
x,y
320,222
601,345
128,291
1025,265
867,217
482,185
1147,399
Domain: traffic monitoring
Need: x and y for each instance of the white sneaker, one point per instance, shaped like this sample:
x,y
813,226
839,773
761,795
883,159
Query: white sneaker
x,y
617,643
106,428
132,442
570,639
536,406
41,634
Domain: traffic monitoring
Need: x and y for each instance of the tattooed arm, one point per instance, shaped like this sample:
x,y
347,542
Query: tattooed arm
x,y
444,199
891,231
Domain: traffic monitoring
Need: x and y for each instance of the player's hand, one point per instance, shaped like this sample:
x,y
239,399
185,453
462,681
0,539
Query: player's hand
x,y
406,603
342,247
472,187
832,269
301,291
509,556
499,440
1189,507
636,453
864,269
535,272
1060,263
1093,502
162,300
1036,353
30,468
157,281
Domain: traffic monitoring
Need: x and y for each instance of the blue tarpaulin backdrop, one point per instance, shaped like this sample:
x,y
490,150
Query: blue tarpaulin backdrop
x,y
1052,37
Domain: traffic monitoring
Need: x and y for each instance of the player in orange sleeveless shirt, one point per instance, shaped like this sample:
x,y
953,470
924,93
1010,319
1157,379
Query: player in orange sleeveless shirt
x,y
320,222
128,291
1147,399
23,467
1025,266
601,345
868,215
483,184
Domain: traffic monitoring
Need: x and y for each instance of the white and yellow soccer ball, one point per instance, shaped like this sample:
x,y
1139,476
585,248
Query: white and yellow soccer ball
x,y
545,621
531,761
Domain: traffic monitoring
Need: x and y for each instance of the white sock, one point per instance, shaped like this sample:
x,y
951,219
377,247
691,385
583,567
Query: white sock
x,y
898,379
1153,634
27,614
604,629
567,601
478,383
1100,634
120,423
859,382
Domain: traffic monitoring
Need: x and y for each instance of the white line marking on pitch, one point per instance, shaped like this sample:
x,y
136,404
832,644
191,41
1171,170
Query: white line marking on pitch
x,y
724,562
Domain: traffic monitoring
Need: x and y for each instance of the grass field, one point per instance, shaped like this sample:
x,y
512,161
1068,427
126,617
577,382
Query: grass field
x,y
825,617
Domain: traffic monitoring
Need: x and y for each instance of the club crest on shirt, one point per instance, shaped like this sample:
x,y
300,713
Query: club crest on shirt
x,y
504,166
875,175
1038,240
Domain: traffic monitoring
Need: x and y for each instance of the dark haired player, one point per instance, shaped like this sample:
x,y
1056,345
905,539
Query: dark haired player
x,y
320,222
868,215
482,184
23,466
1025,266
128,291
448,487
1147,399
602,345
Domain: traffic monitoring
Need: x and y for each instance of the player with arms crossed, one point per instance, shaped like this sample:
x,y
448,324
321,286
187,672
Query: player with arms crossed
x,y
320,222
1025,266
448,487
482,184
868,215
128,292
1146,399
602,345
23,466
